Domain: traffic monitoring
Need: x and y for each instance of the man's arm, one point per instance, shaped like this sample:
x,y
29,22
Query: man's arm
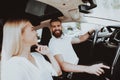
x,y
82,38
68,67
96,69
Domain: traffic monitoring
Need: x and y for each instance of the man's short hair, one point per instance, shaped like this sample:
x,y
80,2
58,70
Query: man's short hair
x,y
54,20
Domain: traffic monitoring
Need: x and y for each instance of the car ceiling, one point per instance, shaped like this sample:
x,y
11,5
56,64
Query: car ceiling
x,y
69,8
17,8
12,7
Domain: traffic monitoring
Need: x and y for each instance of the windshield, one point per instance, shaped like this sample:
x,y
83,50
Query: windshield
x,y
106,13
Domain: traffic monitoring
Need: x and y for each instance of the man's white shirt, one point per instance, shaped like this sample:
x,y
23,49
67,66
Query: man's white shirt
x,y
64,47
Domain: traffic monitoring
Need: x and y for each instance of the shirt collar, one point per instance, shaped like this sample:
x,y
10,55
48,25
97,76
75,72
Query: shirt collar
x,y
62,36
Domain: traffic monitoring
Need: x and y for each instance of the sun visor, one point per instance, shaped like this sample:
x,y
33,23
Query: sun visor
x,y
41,9
35,8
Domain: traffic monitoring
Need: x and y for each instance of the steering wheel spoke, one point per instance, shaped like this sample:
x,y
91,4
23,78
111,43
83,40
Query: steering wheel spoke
x,y
95,37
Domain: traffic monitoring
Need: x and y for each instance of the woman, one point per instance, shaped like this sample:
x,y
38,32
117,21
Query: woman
x,y
17,61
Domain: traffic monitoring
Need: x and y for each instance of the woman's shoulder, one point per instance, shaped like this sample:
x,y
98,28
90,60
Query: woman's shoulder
x,y
16,61
13,64
13,67
16,58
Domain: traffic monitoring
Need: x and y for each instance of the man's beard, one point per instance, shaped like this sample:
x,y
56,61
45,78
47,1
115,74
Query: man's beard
x,y
57,35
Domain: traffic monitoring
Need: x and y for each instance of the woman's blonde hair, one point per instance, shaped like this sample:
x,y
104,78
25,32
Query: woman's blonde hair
x,y
12,42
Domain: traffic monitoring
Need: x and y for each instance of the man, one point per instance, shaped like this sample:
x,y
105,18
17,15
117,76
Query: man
x,y
61,47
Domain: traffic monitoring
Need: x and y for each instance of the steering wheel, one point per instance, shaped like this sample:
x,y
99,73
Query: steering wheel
x,y
95,37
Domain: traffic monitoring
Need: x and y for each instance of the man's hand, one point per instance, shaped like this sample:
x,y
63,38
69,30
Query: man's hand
x,y
97,69
91,32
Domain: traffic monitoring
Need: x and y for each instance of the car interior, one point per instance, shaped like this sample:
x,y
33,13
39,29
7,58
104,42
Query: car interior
x,y
104,44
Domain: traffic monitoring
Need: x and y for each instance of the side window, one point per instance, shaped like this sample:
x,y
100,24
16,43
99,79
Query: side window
x,y
71,28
